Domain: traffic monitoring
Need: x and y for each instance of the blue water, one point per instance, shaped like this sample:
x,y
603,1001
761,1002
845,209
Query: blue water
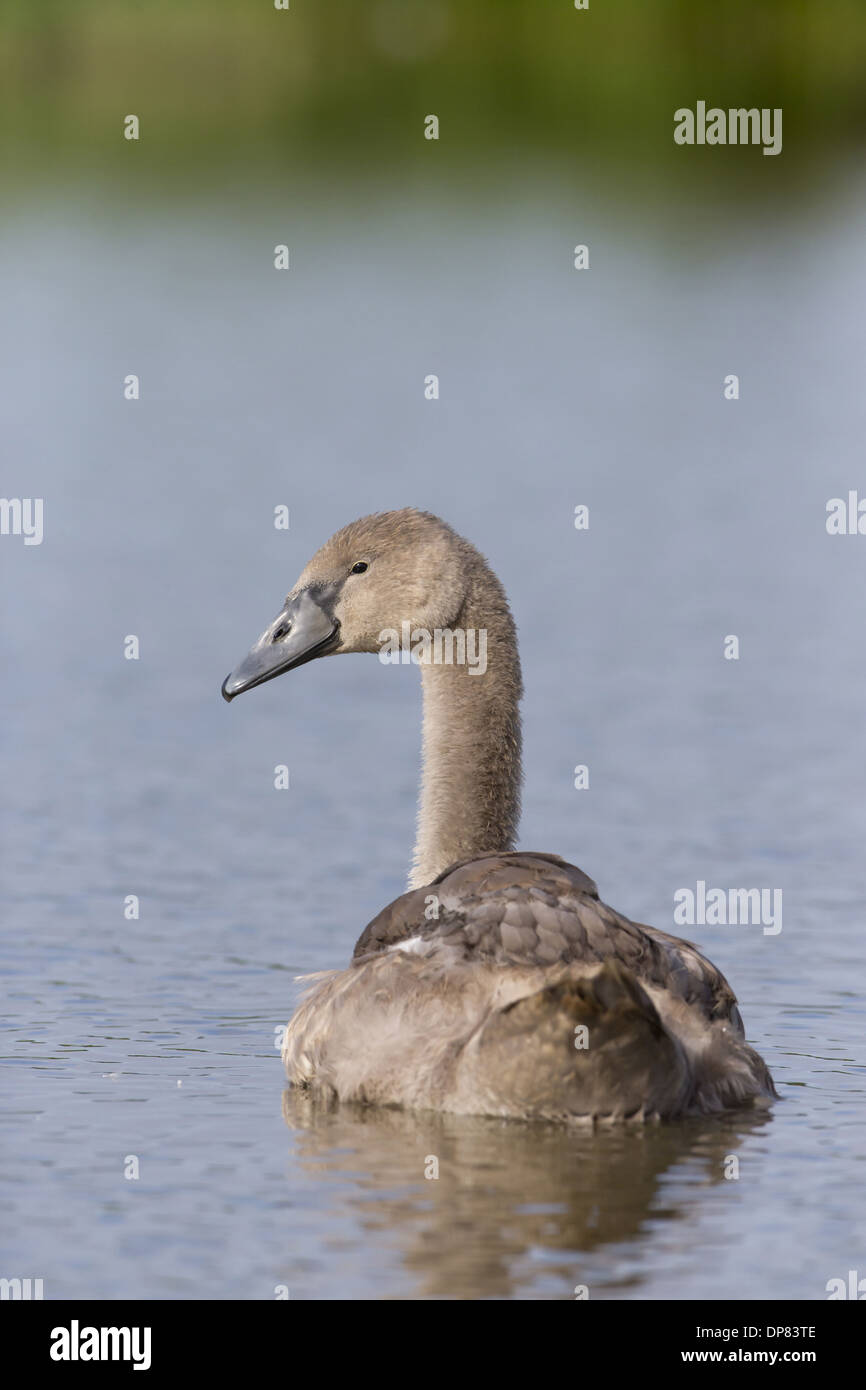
x,y
154,1039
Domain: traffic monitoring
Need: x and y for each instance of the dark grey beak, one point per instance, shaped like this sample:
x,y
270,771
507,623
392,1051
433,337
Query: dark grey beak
x,y
303,630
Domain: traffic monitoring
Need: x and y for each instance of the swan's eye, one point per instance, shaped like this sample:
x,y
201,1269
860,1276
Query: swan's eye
x,y
282,631
359,568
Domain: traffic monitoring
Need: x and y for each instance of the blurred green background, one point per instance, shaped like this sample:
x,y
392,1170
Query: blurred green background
x,y
558,387
337,81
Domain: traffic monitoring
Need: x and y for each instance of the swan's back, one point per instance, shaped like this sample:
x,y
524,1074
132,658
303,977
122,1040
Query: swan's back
x,y
507,987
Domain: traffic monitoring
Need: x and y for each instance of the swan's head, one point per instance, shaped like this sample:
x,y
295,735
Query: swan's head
x,y
373,575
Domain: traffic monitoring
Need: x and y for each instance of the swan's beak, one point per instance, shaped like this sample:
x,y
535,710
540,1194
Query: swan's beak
x,y
303,630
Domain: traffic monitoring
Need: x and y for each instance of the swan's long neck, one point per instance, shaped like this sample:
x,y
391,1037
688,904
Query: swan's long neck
x,y
470,784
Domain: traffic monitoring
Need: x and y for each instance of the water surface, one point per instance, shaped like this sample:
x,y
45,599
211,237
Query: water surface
x,y
154,1038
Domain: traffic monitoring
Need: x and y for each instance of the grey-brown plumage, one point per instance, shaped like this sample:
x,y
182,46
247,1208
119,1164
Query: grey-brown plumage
x,y
499,984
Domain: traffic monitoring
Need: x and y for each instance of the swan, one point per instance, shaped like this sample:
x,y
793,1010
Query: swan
x,y
499,984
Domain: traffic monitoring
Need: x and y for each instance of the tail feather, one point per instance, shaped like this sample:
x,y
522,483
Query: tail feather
x,y
591,1047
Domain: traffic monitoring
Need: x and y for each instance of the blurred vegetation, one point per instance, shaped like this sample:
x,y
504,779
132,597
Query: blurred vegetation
x,y
350,81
